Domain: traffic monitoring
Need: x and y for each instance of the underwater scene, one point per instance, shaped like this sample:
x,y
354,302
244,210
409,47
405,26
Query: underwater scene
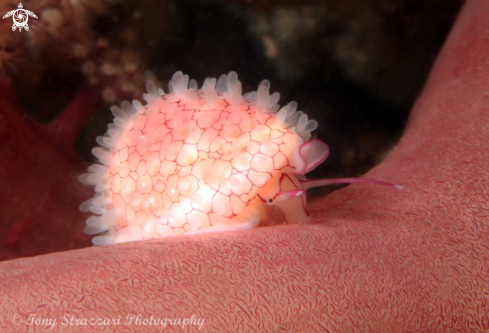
x,y
244,166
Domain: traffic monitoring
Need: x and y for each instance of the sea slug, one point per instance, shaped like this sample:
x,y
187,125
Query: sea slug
x,y
197,160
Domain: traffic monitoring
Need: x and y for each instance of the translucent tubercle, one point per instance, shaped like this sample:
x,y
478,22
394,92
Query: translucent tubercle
x,y
151,88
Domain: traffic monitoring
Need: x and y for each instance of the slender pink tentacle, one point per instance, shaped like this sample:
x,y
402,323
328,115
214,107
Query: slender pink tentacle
x,y
322,182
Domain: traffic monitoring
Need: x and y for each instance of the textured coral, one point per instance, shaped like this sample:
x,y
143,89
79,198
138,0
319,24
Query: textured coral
x,y
413,260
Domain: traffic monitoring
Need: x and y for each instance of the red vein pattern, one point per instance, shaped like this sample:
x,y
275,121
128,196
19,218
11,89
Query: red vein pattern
x,y
176,150
373,260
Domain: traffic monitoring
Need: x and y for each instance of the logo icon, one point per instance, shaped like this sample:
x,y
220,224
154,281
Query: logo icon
x,y
20,16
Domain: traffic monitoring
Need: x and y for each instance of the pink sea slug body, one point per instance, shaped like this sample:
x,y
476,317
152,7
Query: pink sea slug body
x,y
197,160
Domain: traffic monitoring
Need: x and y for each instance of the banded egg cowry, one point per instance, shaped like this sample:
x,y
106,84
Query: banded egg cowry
x,y
196,160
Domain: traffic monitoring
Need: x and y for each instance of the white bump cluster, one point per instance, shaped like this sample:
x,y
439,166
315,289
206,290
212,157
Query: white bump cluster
x,y
190,161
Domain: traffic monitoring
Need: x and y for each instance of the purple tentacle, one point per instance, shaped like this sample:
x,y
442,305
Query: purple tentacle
x,y
322,182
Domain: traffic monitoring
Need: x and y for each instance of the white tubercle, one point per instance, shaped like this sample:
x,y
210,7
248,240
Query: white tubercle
x,y
193,85
97,210
97,224
85,206
83,179
210,92
113,132
209,81
137,105
101,187
311,125
234,89
183,86
274,98
292,107
221,85
118,113
102,154
119,122
103,240
91,230
231,80
95,221
286,112
148,98
153,93
109,142
191,95
275,108
179,83
265,83
95,178
294,118
97,168
101,201
301,123
263,96
128,108
151,88
100,141
281,115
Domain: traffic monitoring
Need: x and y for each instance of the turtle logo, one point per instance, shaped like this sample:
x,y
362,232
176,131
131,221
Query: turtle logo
x,y
20,16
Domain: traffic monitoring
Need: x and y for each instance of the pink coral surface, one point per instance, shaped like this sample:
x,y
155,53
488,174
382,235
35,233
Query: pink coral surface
x,y
377,259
